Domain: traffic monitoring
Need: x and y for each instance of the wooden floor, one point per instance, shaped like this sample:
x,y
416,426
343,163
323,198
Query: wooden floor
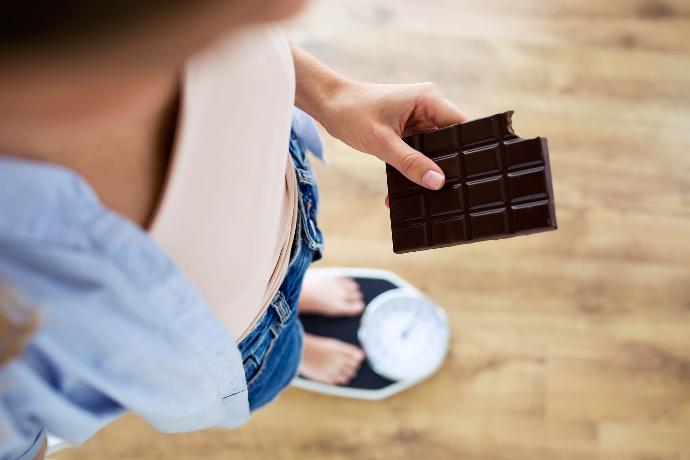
x,y
572,344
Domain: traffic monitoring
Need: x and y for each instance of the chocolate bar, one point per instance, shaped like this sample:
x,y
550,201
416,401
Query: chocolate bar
x,y
498,185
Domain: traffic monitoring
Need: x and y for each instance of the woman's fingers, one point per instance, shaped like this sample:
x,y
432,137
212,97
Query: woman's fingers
x,y
432,108
412,164
438,108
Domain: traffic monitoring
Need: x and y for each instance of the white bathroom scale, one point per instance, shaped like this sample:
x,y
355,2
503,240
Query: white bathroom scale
x,y
404,335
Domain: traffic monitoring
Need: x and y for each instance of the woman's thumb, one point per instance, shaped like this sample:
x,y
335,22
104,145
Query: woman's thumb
x,y
414,165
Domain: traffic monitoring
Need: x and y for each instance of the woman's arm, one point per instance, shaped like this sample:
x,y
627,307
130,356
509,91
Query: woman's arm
x,y
372,118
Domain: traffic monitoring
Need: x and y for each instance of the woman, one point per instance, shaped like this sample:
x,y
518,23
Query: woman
x,y
159,210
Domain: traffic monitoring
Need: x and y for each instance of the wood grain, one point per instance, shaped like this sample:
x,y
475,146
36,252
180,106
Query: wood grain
x,y
572,344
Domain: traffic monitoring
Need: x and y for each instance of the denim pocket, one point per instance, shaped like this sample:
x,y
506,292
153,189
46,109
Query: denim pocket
x,y
258,345
254,363
279,368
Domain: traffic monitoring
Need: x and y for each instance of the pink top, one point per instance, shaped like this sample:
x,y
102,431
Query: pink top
x,y
227,217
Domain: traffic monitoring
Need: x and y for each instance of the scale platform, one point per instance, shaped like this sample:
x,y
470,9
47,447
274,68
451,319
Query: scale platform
x,y
367,383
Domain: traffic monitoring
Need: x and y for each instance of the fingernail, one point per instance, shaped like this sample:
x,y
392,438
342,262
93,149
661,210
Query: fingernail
x,y
433,180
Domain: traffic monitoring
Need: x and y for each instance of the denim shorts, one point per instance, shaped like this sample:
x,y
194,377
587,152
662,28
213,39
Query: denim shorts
x,y
272,350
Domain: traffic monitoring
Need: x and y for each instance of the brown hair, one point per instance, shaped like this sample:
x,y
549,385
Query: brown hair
x,y
17,322
50,23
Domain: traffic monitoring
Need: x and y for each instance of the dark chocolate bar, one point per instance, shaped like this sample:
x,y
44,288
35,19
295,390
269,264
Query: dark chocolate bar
x,y
497,186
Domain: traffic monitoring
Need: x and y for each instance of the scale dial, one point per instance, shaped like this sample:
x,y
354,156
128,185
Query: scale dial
x,y
404,335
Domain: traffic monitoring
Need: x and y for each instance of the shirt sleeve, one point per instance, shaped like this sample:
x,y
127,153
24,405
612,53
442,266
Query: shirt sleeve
x,y
120,330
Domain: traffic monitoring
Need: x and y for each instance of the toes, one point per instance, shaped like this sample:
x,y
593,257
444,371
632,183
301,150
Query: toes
x,y
353,354
330,360
352,307
343,373
358,306
345,352
350,362
331,296
342,378
352,287
346,307
354,364
348,372
350,284
354,295
334,379
355,359
352,369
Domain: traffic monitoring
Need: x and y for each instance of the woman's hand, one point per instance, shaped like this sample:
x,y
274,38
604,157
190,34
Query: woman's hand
x,y
372,118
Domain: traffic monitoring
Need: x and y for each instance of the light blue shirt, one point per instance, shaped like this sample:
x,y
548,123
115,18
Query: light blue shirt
x,y
305,128
121,329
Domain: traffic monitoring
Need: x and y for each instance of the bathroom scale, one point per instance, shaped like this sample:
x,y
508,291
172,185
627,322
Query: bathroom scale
x,y
404,335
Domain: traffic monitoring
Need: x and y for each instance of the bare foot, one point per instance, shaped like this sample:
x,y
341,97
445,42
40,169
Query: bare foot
x,y
330,296
329,360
